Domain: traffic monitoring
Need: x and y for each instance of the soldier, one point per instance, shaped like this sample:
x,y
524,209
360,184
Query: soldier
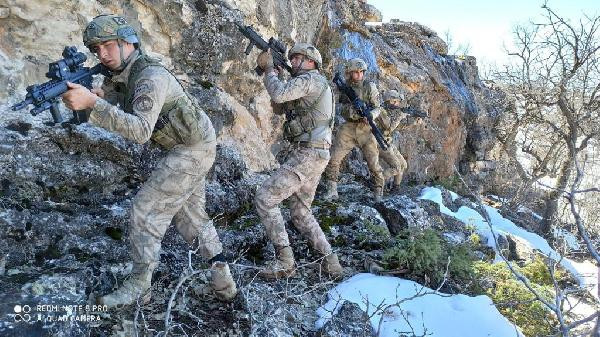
x,y
154,106
356,131
389,120
308,102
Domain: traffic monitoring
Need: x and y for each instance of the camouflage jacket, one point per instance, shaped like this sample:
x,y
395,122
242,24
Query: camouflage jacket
x,y
391,119
308,102
133,109
366,91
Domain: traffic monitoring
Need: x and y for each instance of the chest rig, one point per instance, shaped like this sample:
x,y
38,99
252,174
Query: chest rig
x,y
179,121
303,120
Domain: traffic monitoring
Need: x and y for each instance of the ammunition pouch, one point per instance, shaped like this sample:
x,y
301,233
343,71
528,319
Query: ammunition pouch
x,y
178,123
302,121
301,124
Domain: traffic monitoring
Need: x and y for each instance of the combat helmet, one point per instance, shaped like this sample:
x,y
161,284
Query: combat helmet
x,y
107,27
391,94
356,64
307,50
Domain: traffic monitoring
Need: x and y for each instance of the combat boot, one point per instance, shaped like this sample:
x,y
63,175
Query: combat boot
x,y
331,266
136,286
378,192
282,266
222,282
395,189
331,193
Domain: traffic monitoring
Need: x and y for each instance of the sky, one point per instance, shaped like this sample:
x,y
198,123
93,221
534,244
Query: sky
x,y
484,25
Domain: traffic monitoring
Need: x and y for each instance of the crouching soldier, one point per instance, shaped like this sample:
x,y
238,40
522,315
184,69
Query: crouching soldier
x,y
392,119
152,105
308,101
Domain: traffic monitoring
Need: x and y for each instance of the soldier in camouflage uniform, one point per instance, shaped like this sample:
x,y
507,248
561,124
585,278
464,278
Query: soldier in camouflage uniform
x,y
391,119
143,101
356,131
308,102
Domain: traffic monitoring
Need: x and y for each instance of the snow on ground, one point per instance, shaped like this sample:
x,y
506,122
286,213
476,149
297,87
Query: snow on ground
x,y
441,314
586,273
569,239
422,310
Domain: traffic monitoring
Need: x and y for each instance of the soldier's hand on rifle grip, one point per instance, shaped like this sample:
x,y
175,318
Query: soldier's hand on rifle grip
x,y
98,92
265,61
78,97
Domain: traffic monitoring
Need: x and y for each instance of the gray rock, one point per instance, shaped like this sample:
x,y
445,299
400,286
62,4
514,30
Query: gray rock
x,y
400,212
519,250
350,321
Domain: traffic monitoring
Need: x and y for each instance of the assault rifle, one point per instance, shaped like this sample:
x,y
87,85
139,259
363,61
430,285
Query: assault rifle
x,y
362,108
409,110
70,69
278,49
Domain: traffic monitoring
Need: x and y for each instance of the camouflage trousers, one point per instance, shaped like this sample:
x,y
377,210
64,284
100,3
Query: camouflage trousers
x,y
349,135
174,191
296,180
396,164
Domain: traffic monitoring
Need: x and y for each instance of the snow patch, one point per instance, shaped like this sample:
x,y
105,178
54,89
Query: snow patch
x,y
585,273
421,310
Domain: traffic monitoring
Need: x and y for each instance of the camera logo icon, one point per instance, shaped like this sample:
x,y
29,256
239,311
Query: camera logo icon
x,y
22,313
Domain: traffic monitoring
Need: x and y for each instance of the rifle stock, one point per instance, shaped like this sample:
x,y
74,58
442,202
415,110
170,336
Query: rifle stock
x,y
414,112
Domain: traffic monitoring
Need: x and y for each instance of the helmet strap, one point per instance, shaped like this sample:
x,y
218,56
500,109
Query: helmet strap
x,y
389,105
124,62
299,68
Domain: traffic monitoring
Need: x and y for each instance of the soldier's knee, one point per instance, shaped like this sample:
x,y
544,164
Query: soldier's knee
x,y
299,214
261,201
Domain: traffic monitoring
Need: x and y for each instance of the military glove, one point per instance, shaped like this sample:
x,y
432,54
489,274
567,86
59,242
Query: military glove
x,y
265,60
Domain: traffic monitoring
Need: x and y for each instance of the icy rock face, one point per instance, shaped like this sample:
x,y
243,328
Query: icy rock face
x,y
413,59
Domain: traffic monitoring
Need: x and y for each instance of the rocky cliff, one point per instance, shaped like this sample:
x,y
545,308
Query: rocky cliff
x,y
66,190
201,44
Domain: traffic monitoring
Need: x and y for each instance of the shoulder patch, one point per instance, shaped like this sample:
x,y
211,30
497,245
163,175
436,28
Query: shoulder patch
x,y
143,86
143,103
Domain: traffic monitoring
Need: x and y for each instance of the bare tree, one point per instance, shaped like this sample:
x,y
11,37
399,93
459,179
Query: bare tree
x,y
455,49
555,83
566,325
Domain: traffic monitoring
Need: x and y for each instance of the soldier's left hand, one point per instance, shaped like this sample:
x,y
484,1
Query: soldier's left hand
x,y
265,60
78,97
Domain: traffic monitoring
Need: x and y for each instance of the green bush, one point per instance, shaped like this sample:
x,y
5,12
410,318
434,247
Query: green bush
x,y
537,272
426,256
514,300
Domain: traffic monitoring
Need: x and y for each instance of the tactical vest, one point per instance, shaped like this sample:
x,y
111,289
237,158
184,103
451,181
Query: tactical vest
x,y
364,92
180,120
383,121
313,122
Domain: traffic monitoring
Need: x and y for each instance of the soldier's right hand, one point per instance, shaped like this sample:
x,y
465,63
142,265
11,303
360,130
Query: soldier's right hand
x,y
265,60
98,91
78,97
